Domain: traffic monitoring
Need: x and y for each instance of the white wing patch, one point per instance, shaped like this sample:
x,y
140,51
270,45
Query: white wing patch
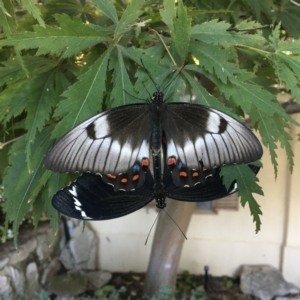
x,y
77,203
125,156
190,155
101,127
213,122
73,191
144,151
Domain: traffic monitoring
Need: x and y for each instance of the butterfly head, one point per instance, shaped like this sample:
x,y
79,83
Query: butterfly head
x,y
158,97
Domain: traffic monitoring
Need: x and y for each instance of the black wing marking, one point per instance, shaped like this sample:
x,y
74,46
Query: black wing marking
x,y
108,143
212,189
196,133
89,198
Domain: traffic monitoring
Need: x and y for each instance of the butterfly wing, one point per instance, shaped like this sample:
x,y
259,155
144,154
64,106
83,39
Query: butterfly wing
x,y
109,143
212,189
89,198
200,138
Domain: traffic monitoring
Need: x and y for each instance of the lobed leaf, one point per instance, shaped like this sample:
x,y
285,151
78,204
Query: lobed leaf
x,y
202,95
7,18
130,15
168,14
247,185
182,32
290,73
69,39
84,98
214,59
214,32
107,7
17,193
41,99
122,85
31,7
12,71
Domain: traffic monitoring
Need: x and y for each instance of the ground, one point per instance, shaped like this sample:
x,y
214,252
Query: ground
x,y
223,288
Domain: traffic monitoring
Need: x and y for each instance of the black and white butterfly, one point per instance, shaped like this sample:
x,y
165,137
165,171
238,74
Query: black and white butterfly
x,y
116,144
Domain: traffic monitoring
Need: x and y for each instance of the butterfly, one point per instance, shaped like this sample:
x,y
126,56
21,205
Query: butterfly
x,y
115,144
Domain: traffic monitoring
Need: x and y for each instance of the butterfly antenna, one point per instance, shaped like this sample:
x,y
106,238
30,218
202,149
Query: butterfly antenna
x,y
145,100
175,223
152,227
147,91
175,76
147,72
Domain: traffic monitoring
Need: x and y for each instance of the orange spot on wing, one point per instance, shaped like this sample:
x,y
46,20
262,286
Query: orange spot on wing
x,y
135,177
183,174
195,174
111,176
124,180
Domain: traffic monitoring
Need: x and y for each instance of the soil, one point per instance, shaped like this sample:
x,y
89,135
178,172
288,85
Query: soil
x,y
217,288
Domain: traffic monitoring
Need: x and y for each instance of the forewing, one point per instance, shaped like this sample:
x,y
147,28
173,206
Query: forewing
x,y
212,189
204,138
89,198
108,143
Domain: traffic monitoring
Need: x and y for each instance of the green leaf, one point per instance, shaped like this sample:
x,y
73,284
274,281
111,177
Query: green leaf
x,y
17,193
168,14
289,17
72,8
289,45
214,32
182,32
122,84
54,184
39,105
12,70
7,17
70,38
272,130
130,15
107,7
12,100
260,7
31,7
247,185
247,94
84,98
215,59
289,73
202,95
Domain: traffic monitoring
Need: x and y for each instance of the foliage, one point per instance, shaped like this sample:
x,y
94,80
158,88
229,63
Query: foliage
x,y
165,293
61,63
21,295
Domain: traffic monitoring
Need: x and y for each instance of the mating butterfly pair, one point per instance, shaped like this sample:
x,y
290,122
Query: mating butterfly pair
x,y
196,141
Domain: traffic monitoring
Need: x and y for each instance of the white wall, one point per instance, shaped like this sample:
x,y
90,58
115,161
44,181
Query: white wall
x,y
224,241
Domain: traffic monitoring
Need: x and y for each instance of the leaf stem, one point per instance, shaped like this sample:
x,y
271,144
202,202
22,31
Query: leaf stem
x,y
252,48
11,141
166,47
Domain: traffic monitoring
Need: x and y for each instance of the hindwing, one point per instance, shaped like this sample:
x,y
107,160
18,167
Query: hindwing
x,y
212,189
89,198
